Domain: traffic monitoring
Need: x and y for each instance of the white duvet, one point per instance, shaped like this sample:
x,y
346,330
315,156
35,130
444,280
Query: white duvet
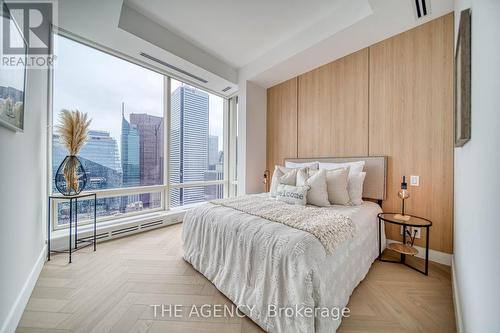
x,y
263,266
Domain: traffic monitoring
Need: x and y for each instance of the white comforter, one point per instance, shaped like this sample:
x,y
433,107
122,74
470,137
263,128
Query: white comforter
x,y
258,263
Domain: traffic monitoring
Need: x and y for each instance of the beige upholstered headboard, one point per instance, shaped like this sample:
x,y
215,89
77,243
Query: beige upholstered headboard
x,y
375,168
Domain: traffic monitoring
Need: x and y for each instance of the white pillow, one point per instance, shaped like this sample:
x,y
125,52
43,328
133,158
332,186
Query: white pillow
x,y
282,175
354,167
289,178
336,181
317,194
355,188
311,165
275,181
295,195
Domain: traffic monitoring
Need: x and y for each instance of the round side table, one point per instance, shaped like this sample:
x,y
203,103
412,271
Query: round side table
x,y
404,249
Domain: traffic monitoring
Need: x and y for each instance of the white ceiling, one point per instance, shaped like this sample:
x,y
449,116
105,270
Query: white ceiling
x,y
366,22
269,41
236,31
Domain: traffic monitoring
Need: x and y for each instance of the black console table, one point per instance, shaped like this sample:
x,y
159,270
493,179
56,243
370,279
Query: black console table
x,y
73,200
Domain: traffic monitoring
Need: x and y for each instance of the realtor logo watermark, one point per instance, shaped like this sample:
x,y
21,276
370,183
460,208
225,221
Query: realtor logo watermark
x,y
228,311
26,33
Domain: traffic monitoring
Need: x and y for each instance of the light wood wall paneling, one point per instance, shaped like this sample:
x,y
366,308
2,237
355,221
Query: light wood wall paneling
x,y
411,121
281,123
333,108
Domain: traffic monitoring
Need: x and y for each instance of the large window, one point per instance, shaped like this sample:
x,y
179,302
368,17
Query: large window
x,y
135,161
196,144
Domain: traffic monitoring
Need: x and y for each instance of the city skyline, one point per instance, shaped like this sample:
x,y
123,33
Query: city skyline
x,y
99,84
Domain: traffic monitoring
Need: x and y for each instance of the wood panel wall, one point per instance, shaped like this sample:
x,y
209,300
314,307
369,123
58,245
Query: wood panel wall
x,y
333,108
411,121
393,98
281,123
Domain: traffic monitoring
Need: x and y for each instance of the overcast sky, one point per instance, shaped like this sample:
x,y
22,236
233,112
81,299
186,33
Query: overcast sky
x,y
97,83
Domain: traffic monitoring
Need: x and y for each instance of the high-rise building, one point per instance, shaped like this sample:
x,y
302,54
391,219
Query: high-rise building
x,y
213,151
130,141
150,132
189,143
102,149
214,191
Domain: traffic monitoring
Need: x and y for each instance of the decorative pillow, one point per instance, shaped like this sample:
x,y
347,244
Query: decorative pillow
x,y
277,174
354,167
289,178
336,181
295,195
316,180
282,175
355,188
310,165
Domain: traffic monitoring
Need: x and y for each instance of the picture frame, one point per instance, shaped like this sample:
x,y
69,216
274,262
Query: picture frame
x,y
462,82
13,80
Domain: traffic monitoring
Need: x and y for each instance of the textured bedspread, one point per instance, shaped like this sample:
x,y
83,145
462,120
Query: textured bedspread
x,y
263,265
328,226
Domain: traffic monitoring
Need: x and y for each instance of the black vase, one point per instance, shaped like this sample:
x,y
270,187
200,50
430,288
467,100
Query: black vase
x,y
71,177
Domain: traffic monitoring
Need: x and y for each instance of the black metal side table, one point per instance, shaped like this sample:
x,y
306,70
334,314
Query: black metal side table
x,y
72,200
404,249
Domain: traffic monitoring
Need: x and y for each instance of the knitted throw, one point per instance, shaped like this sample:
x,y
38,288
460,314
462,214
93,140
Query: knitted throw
x,y
329,227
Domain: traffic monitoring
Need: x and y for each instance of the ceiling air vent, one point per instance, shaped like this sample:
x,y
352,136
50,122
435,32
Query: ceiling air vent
x,y
175,68
226,89
422,8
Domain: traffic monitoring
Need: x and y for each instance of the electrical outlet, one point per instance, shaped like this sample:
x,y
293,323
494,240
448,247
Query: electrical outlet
x,y
414,180
417,235
411,230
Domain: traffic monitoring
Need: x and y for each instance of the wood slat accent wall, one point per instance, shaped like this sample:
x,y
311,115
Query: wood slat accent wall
x,y
333,108
393,98
281,123
411,121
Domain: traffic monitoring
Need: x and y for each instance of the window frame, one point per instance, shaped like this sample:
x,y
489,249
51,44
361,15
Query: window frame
x,y
164,189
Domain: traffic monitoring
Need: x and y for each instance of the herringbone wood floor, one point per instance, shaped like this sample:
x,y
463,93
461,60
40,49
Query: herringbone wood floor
x,y
112,289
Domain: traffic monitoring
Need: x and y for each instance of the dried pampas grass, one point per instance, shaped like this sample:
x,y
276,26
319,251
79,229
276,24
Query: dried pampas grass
x,y
73,131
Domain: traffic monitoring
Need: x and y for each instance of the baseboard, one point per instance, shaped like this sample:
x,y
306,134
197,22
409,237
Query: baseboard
x,y
17,310
456,299
436,256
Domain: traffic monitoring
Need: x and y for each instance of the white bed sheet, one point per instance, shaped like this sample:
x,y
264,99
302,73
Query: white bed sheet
x,y
254,261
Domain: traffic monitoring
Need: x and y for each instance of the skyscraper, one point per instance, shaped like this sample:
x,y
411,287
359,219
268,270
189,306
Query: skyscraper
x,y
213,151
102,149
150,132
130,153
189,143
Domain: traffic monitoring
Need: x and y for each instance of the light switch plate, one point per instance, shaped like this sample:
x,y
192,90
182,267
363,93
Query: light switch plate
x,y
414,180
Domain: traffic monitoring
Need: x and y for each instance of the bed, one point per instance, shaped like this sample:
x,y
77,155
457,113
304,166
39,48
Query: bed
x,y
273,273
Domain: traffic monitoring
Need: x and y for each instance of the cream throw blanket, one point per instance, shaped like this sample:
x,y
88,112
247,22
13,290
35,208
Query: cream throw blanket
x,y
329,227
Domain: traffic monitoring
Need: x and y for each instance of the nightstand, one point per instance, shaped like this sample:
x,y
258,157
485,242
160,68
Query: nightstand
x,y
404,249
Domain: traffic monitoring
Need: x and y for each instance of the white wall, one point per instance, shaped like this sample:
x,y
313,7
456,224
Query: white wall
x,y
252,105
22,203
477,184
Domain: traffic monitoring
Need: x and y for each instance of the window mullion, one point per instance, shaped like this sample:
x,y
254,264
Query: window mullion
x,y
166,140
225,136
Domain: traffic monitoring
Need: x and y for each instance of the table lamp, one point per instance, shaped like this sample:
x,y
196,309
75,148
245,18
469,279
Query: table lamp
x,y
403,194
266,180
